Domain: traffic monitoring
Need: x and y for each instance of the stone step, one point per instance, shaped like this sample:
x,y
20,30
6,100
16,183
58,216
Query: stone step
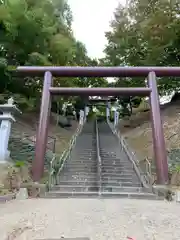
x,y
77,178
65,194
120,174
82,155
123,189
82,183
109,136
124,183
79,152
85,164
77,166
86,136
77,159
120,168
81,170
90,182
113,161
75,188
121,184
130,195
90,188
80,166
85,174
116,159
117,173
111,148
108,154
81,149
88,144
119,177
118,164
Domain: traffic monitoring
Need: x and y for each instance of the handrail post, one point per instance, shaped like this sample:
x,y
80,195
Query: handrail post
x,y
98,155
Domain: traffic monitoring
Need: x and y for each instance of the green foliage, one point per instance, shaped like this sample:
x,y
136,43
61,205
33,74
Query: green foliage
x,y
38,33
175,168
91,115
19,164
146,33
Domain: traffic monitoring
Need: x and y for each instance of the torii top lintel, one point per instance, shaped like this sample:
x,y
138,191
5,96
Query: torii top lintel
x,y
99,71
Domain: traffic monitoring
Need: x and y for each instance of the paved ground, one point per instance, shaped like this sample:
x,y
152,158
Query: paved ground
x,y
96,219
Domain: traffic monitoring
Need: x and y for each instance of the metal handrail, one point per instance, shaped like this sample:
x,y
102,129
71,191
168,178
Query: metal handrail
x,y
98,157
146,179
57,164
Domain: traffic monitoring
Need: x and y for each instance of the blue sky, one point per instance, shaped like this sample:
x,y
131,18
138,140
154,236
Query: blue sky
x,y
91,21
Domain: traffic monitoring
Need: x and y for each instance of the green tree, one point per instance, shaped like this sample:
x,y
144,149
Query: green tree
x,y
145,33
38,33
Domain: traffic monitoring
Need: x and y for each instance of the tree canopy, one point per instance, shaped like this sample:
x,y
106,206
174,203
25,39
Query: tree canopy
x,y
145,33
38,33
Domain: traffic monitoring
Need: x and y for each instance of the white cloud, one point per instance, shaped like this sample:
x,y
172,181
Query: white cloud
x,y
91,21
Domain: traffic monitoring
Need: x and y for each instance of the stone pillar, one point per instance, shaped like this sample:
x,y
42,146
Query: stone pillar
x,y
87,110
107,113
81,119
114,118
108,107
117,117
5,128
84,113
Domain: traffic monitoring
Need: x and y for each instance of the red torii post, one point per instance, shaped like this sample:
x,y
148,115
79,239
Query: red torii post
x,y
151,91
42,132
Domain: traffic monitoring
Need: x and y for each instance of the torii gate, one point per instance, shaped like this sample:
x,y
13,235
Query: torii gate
x,y
150,72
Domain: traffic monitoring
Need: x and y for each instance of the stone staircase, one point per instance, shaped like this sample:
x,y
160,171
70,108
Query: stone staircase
x,y
118,175
79,174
